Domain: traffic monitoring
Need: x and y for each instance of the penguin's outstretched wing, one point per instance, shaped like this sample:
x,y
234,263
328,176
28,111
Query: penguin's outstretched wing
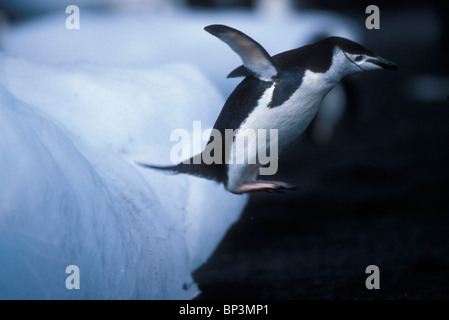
x,y
255,58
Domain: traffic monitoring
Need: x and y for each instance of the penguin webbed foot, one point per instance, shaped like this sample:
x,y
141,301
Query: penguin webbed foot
x,y
268,186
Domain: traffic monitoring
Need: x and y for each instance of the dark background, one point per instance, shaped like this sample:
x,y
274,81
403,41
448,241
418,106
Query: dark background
x,y
376,194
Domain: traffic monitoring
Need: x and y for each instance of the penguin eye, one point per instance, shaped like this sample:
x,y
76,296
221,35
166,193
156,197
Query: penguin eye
x,y
358,58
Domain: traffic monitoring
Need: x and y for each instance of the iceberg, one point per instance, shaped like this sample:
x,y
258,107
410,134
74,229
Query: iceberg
x,y
71,194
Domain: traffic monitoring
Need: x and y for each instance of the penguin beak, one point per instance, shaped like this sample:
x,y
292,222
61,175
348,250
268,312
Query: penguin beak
x,y
383,63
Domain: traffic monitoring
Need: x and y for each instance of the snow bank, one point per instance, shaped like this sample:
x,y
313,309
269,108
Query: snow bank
x,y
70,192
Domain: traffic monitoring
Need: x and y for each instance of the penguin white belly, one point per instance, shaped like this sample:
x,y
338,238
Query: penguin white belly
x,y
289,119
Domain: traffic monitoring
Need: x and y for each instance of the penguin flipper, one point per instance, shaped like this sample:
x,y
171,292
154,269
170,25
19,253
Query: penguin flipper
x,y
255,58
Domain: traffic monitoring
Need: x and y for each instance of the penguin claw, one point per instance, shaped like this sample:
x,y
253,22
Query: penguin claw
x,y
281,188
275,190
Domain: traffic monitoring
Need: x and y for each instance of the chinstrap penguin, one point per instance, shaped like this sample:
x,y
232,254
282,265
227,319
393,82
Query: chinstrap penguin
x,y
280,92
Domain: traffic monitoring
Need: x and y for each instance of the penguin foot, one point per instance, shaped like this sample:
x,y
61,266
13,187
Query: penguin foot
x,y
268,186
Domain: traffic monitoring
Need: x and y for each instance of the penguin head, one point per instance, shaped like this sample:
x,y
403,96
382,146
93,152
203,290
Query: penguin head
x,y
351,57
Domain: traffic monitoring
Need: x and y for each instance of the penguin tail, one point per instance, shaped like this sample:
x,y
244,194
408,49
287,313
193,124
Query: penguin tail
x,y
210,172
175,168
